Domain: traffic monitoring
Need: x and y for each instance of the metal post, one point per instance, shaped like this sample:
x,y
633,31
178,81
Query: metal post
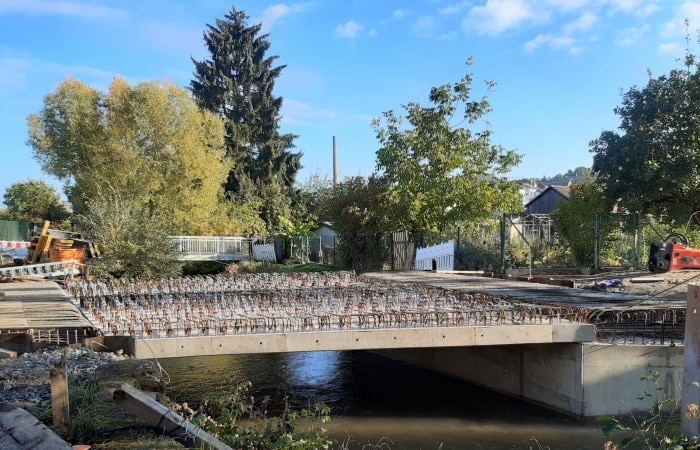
x,y
503,243
596,241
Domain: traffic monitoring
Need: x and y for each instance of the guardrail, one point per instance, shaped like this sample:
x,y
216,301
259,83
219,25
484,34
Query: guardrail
x,y
213,248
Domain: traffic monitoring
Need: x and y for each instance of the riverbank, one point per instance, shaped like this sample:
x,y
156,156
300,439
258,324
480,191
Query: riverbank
x,y
91,374
26,378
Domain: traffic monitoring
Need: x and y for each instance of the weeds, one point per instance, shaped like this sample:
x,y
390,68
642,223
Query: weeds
x,y
658,429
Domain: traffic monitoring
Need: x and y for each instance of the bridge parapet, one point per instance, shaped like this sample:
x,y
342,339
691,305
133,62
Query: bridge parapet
x,y
218,248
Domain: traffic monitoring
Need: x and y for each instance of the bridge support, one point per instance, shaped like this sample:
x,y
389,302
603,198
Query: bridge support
x,y
583,380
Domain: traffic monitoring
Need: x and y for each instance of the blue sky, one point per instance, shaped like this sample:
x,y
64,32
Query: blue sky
x,y
560,65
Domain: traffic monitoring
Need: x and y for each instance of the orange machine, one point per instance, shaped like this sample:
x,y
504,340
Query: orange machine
x,y
667,256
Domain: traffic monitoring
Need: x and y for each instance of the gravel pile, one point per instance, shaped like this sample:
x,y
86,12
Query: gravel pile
x,y
25,379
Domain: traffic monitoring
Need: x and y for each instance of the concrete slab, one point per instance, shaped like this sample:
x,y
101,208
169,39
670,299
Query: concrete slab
x,y
19,430
523,291
437,337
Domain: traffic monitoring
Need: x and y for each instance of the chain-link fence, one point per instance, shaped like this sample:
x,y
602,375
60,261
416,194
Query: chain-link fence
x,y
604,241
316,249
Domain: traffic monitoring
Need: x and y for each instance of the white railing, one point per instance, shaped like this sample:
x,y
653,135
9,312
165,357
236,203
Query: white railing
x,y
218,248
439,257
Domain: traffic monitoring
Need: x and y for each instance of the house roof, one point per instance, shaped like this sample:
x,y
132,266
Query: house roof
x,y
561,190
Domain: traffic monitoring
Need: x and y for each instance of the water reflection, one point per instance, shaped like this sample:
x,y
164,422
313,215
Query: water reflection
x,y
373,399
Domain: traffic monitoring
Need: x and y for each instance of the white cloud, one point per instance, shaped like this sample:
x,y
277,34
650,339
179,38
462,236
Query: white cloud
x,y
348,30
552,41
637,7
455,8
497,16
424,26
273,13
672,48
399,13
676,26
583,23
13,70
630,36
60,8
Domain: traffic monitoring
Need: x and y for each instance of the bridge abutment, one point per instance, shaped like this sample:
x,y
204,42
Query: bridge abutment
x,y
583,380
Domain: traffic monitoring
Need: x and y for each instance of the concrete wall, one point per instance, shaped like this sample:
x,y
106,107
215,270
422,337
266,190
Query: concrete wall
x,y
584,380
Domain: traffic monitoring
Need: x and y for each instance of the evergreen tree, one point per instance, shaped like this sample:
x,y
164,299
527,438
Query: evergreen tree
x,y
237,84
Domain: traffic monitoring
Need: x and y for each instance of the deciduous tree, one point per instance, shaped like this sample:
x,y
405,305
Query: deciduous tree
x,y
149,143
652,164
439,172
356,209
34,201
237,85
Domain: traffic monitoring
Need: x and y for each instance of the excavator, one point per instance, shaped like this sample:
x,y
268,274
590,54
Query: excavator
x,y
674,253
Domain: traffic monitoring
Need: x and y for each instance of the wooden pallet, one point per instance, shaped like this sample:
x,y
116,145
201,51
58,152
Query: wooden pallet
x,y
39,246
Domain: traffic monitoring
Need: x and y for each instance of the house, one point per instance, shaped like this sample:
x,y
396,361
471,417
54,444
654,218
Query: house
x,y
547,200
322,249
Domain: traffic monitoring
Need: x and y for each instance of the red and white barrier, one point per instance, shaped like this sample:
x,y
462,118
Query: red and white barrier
x,y
14,244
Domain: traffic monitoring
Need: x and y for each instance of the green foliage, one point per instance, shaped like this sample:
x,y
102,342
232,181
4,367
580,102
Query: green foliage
x,y
237,85
479,252
439,172
86,415
34,201
357,209
652,165
149,143
134,243
297,228
578,174
309,198
574,221
233,418
658,428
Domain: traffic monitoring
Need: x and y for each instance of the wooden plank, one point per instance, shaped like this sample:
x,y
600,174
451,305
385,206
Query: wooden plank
x,y
42,248
160,416
59,397
45,228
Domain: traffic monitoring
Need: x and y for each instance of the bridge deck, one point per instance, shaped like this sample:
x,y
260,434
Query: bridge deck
x,y
380,310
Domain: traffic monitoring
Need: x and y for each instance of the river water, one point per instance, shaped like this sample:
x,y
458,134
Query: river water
x,y
375,400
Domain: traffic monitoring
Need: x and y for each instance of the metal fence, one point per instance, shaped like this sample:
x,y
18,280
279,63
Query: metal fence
x,y
605,241
317,249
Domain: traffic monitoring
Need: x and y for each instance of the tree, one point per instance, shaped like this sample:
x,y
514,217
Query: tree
x,y
133,244
652,165
237,85
440,173
149,143
34,201
356,207
310,196
574,220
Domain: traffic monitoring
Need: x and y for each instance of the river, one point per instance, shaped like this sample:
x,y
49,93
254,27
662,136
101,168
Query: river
x,y
375,400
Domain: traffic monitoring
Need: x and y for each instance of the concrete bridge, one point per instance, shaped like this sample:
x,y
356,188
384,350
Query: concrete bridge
x,y
312,312
575,351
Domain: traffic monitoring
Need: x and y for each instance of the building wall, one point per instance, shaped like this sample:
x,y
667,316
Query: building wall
x,y
546,202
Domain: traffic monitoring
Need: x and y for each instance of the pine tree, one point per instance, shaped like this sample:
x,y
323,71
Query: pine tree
x,y
237,84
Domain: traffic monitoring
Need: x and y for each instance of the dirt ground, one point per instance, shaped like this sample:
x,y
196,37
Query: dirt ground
x,y
668,286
